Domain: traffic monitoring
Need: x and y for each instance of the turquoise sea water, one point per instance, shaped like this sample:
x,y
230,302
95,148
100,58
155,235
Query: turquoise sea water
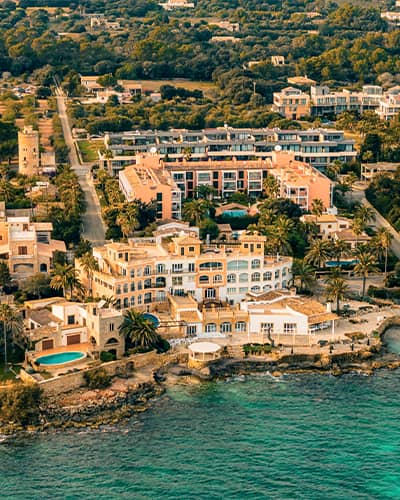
x,y
299,437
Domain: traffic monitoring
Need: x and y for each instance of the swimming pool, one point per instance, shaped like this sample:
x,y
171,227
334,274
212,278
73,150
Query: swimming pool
x,y
235,213
60,358
152,318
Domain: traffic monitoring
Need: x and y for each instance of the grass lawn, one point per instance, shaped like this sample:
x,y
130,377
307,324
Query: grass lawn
x,y
89,149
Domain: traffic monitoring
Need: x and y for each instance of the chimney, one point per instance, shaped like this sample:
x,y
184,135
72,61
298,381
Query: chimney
x,y
329,307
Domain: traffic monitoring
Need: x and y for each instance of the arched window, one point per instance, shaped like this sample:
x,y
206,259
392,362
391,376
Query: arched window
x,y
256,277
231,278
147,283
243,278
237,265
211,327
217,278
255,289
210,266
132,286
256,264
266,288
112,341
267,276
226,327
277,286
240,326
118,304
160,282
204,279
118,290
284,284
147,298
139,285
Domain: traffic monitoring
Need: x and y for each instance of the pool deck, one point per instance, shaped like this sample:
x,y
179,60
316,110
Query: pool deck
x,y
68,348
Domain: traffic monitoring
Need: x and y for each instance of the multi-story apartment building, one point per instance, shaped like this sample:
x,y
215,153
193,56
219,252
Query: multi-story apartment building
x,y
300,182
226,177
175,261
148,183
27,246
291,103
326,102
389,105
319,147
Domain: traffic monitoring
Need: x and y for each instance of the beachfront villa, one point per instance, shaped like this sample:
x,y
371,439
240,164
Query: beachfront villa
x,y
57,325
142,271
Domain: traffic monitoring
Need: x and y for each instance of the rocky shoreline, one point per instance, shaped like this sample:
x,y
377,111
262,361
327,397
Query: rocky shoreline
x,y
85,409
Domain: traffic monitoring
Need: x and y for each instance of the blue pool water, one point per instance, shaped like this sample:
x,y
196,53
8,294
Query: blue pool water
x,y
235,213
60,358
152,318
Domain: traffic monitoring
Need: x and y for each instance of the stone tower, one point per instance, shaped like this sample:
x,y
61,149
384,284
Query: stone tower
x,y
28,151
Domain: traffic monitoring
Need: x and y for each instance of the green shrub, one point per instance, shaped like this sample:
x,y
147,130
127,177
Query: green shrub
x,y
19,404
97,379
105,356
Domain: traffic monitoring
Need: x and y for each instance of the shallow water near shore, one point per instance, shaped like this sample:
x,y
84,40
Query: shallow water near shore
x,y
300,436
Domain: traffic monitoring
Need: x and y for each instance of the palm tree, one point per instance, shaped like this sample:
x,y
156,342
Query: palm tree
x,y
271,187
303,275
317,207
382,241
279,234
12,323
318,252
366,264
7,191
357,227
336,290
89,265
138,331
340,248
63,277
365,215
205,192
194,211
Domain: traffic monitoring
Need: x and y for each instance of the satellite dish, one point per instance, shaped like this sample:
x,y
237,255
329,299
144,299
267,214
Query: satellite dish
x,y
278,148
153,150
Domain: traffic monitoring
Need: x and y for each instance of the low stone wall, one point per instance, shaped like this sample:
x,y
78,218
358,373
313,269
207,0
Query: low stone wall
x,y
124,367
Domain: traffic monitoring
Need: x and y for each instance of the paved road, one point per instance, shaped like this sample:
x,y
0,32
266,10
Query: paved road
x,y
359,195
93,225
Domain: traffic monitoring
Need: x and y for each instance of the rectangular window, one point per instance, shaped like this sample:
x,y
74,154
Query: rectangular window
x,y
267,328
231,290
289,327
243,289
177,268
159,197
191,267
22,250
191,330
71,319
111,327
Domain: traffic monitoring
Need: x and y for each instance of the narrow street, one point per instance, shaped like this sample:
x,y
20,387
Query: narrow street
x,y
358,194
93,225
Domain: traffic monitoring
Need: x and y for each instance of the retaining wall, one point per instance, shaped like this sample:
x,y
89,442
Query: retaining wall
x,y
125,366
